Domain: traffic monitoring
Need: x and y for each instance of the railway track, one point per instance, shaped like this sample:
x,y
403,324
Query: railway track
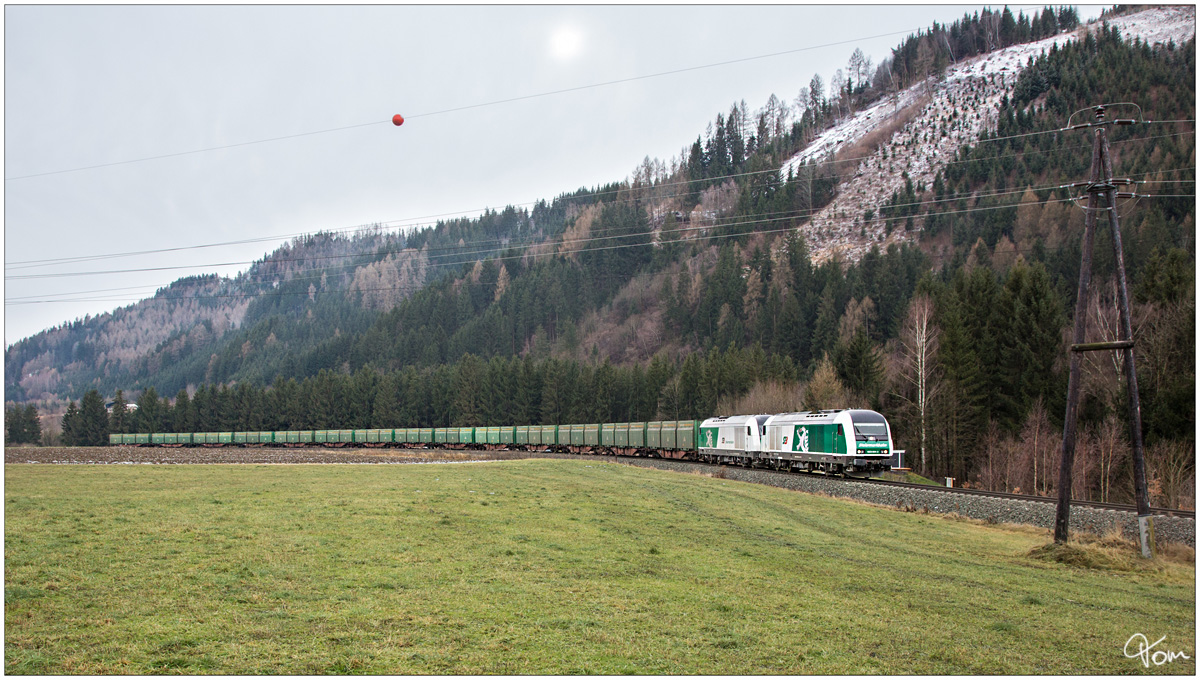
x,y
1116,507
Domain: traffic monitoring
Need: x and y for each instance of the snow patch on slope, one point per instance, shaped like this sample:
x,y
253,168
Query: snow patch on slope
x,y
961,105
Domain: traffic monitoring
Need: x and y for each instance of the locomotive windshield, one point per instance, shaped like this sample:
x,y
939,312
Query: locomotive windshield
x,y
877,430
868,424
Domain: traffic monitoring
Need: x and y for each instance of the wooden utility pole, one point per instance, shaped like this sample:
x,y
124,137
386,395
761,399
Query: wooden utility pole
x,y
1101,185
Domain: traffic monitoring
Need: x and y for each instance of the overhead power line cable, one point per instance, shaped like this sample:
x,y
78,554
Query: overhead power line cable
x,y
496,102
417,222
459,251
437,257
550,252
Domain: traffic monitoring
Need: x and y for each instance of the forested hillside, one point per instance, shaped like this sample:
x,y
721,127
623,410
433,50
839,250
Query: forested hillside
x,y
703,285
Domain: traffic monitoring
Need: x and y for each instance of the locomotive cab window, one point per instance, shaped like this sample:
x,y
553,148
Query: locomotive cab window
x,y
864,430
868,425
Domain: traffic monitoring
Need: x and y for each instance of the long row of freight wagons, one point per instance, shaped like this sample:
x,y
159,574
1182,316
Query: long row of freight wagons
x,y
670,435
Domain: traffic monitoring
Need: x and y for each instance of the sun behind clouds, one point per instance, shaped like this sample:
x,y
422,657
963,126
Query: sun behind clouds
x,y
566,42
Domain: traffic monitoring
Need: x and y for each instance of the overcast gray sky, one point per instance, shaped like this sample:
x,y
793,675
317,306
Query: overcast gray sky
x,y
97,85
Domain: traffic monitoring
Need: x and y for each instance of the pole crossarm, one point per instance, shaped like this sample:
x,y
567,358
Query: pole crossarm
x,y
1101,346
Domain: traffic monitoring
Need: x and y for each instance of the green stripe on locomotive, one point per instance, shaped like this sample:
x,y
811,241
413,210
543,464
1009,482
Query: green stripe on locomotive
x,y
819,438
880,447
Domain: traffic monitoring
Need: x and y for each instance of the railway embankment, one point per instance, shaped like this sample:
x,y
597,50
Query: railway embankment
x,y
998,510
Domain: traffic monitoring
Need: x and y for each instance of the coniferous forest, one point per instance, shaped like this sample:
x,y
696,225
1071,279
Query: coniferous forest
x,y
603,306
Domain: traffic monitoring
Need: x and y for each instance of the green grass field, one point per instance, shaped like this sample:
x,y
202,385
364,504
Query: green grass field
x,y
539,566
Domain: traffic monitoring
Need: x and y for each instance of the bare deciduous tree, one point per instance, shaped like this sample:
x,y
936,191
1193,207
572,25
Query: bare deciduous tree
x,y
918,350
1038,440
1110,451
1171,466
826,390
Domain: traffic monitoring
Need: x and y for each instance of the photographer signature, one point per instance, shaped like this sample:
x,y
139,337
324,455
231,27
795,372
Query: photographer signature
x,y
1143,651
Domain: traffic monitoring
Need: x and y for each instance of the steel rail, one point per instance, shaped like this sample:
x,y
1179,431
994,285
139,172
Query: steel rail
x,y
1116,507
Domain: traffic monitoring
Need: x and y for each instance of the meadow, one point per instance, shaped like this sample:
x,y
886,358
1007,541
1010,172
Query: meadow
x,y
541,566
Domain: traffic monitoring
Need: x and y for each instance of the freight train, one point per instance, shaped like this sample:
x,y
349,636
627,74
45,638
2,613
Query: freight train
x,y
847,441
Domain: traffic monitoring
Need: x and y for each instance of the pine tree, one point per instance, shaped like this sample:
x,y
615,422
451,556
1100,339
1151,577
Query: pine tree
x,y
690,376
14,425
467,409
33,425
71,426
185,414
860,368
386,410
1030,342
148,417
119,419
93,420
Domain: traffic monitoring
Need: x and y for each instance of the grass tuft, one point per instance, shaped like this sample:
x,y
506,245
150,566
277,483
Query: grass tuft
x,y
1084,557
1113,552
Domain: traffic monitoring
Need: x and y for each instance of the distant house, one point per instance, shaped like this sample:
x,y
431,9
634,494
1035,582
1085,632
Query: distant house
x,y
130,406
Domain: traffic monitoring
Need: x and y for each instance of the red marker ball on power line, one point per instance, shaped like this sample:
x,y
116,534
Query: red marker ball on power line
x,y
397,120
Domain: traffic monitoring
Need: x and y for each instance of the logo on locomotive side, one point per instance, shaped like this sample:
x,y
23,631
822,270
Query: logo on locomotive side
x,y
802,439
709,438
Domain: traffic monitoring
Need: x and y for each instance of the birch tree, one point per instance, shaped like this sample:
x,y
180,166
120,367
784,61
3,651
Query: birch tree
x,y
918,350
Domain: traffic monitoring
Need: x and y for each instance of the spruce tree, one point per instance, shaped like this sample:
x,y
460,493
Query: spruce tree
x,y
119,419
860,367
148,418
71,426
93,420
185,415
33,425
14,425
